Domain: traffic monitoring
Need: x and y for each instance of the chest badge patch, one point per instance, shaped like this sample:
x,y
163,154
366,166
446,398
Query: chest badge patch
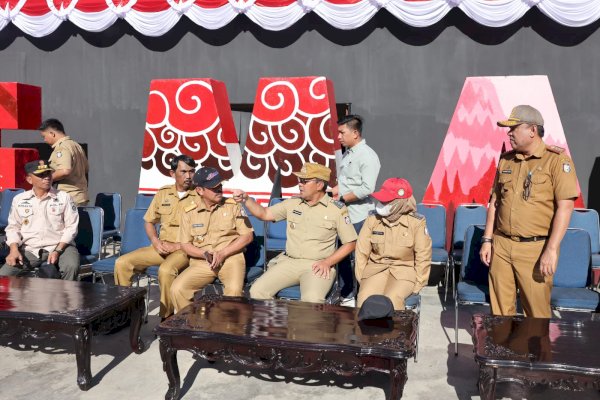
x,y
25,221
293,225
59,154
567,167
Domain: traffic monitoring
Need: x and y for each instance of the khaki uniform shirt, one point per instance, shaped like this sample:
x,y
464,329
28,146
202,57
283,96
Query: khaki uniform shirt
x,y
42,223
404,243
166,208
214,229
68,154
552,178
312,230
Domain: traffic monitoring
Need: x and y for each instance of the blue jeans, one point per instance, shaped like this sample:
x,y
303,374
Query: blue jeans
x,y
346,270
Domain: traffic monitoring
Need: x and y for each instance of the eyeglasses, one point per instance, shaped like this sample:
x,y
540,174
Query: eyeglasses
x,y
527,187
305,181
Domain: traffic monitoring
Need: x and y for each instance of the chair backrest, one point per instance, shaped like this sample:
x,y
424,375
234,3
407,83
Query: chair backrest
x,y
89,231
143,200
134,234
573,268
255,252
435,215
8,195
111,204
276,230
471,268
587,219
465,215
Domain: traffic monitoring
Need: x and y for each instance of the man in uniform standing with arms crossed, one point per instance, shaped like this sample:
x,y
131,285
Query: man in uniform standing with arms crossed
x,y
214,235
531,204
68,161
356,181
315,221
166,208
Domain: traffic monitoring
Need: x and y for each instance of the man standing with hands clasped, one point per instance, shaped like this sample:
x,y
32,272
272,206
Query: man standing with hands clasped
x,y
530,207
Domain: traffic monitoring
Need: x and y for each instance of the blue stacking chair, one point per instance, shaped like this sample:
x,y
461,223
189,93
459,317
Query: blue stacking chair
x,y
435,215
89,238
143,200
8,195
465,215
570,290
111,204
134,237
473,285
587,219
275,232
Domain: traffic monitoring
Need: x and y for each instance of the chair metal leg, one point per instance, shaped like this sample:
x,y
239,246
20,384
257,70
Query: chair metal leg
x,y
418,310
455,326
446,277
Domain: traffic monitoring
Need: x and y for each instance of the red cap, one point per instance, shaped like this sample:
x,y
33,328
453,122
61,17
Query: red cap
x,y
392,189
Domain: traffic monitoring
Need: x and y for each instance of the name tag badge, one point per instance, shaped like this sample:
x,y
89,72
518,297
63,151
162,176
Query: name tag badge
x,y
197,225
297,212
507,171
377,233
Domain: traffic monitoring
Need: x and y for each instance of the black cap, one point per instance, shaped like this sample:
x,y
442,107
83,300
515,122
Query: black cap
x,y
207,177
375,307
37,167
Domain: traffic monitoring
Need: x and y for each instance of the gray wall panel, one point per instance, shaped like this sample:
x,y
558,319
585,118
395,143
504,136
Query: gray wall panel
x,y
404,81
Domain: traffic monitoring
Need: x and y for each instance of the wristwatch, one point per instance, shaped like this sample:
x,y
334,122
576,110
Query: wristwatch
x,y
59,251
341,198
486,240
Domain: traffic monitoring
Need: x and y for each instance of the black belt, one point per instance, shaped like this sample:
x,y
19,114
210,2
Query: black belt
x,y
524,239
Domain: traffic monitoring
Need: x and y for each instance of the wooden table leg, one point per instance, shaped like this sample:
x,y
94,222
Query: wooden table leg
x,y
169,358
398,378
487,382
137,316
83,344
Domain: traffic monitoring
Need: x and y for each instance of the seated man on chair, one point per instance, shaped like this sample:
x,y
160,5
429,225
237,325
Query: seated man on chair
x,y
314,222
214,235
166,208
42,226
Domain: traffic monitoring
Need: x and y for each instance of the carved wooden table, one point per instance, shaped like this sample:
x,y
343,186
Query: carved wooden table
x,y
42,308
287,335
548,353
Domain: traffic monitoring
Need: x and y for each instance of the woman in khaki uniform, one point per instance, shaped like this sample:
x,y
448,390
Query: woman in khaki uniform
x,y
393,251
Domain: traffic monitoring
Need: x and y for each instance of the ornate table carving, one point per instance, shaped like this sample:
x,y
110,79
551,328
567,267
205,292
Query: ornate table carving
x,y
40,309
284,335
536,352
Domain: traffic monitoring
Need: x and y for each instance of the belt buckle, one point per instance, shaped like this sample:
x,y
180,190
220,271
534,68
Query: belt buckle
x,y
515,238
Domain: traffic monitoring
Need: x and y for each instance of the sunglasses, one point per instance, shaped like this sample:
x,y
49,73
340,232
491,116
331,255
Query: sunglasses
x,y
305,181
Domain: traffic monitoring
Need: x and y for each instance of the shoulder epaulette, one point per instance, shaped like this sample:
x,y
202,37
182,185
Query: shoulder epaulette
x,y
555,149
338,203
190,207
417,215
165,187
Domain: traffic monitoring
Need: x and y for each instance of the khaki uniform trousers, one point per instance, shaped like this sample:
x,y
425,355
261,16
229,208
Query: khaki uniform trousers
x,y
397,290
139,260
284,271
517,263
199,274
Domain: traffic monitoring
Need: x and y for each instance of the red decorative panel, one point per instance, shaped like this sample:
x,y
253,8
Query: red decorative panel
x,y
12,164
20,106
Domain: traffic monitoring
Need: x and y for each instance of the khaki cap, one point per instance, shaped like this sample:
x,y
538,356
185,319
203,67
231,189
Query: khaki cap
x,y
523,114
314,170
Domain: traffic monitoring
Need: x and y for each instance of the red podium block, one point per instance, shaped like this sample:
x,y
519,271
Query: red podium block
x,y
12,164
20,106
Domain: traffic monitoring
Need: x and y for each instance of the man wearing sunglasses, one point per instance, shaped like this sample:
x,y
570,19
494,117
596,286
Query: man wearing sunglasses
x,y
214,235
532,200
314,222
42,226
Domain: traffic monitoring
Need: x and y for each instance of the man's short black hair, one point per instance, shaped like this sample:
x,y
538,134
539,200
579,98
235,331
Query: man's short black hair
x,y
540,129
52,123
354,122
182,157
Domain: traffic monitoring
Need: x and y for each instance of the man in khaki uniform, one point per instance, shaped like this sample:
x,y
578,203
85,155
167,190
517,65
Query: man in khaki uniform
x,y
213,234
42,226
393,251
531,204
68,161
166,208
314,222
